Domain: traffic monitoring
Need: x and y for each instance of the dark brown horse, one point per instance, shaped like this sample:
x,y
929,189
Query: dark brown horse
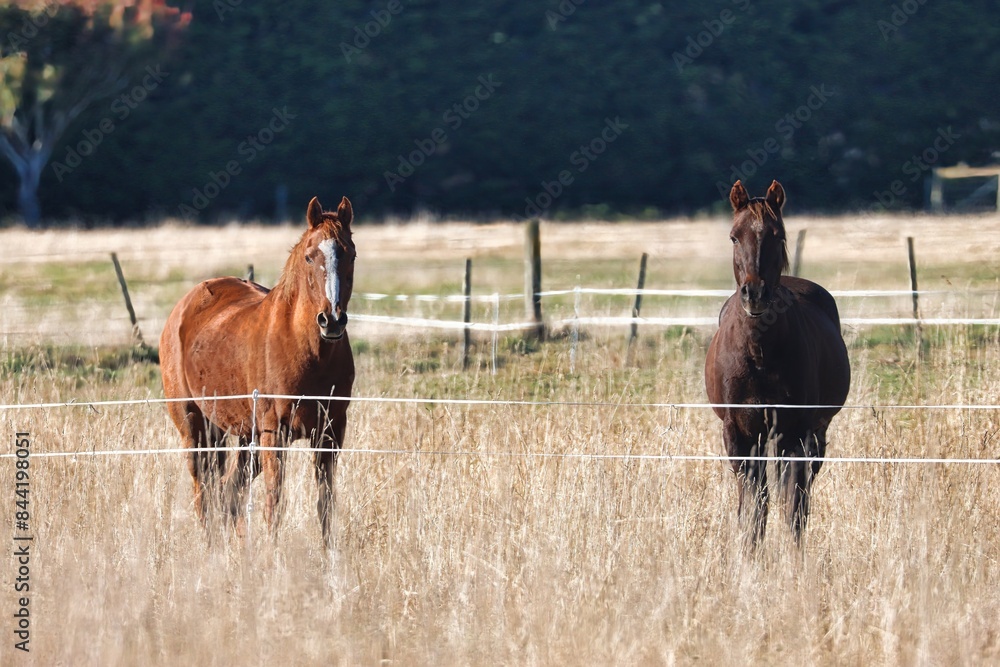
x,y
778,342
229,337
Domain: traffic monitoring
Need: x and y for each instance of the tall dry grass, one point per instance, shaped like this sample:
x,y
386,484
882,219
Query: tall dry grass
x,y
490,537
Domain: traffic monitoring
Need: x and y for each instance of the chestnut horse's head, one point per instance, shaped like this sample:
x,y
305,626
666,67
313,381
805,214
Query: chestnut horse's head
x,y
325,258
759,252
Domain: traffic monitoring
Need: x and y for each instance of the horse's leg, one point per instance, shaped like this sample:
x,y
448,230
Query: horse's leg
x,y
751,480
796,479
271,467
215,465
330,437
193,427
236,486
198,465
754,496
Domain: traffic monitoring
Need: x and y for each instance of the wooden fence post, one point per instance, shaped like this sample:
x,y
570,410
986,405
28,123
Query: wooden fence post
x,y
496,329
913,288
800,241
935,198
533,277
574,337
136,333
637,307
467,312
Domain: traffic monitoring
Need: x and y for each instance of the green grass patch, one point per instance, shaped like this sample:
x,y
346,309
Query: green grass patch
x,y
106,364
63,282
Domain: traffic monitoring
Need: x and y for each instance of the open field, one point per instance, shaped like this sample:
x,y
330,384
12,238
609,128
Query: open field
x,y
60,285
490,536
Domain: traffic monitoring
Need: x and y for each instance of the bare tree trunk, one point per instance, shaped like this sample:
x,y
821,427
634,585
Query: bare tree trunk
x,y
28,161
30,173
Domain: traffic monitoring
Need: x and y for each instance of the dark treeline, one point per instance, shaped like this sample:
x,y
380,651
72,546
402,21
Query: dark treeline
x,y
552,108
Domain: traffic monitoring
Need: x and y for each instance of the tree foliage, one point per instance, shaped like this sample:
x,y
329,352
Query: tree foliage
x,y
55,62
383,101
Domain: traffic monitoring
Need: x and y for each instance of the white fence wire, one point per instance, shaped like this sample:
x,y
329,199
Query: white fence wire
x,y
495,327
579,456
614,321
11,325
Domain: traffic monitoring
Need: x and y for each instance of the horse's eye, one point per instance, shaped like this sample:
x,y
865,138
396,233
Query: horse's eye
x,y
309,260
733,239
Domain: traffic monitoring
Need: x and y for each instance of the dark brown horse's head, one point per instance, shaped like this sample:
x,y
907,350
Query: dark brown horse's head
x,y
325,257
759,252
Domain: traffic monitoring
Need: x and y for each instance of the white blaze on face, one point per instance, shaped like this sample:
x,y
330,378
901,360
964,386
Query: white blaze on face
x,y
329,249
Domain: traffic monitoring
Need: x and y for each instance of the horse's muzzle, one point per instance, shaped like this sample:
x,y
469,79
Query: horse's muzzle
x,y
755,299
330,330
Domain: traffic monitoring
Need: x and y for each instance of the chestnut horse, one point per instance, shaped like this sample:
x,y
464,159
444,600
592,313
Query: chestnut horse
x,y
229,337
778,342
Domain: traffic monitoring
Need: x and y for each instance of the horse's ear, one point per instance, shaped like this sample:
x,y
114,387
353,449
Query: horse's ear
x,y
738,196
314,214
345,213
775,196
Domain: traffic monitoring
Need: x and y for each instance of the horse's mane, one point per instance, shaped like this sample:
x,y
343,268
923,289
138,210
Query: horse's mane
x,y
759,208
331,229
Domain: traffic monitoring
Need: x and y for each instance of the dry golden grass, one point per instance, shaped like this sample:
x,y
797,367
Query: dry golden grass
x,y
501,542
